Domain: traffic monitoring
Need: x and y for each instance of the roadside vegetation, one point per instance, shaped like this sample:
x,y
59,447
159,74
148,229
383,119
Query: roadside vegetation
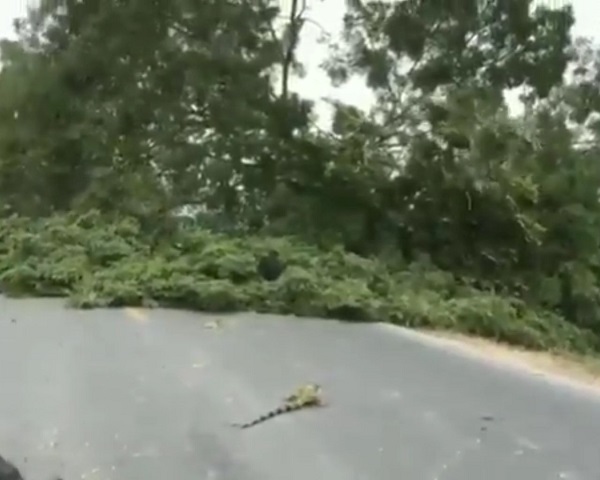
x,y
157,168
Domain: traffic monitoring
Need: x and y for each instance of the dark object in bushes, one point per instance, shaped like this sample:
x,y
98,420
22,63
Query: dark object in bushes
x,y
8,471
270,266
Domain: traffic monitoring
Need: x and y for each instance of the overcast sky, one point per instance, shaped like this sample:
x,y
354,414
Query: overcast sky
x,y
328,14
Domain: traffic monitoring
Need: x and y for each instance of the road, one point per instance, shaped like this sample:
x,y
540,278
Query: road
x,y
131,394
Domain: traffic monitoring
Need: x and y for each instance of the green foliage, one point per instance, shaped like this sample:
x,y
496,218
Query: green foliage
x,y
97,263
147,157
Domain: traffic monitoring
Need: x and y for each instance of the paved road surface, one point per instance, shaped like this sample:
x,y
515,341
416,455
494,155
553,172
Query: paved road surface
x,y
134,395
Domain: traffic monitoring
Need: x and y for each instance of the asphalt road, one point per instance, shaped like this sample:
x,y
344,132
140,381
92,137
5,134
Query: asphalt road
x,y
149,395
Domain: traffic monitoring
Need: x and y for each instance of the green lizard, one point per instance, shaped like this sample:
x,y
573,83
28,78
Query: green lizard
x,y
305,396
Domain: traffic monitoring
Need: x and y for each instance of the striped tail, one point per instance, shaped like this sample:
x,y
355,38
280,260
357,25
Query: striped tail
x,y
267,416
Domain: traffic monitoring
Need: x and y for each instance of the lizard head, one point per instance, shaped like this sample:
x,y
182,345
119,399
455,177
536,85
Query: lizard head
x,y
308,393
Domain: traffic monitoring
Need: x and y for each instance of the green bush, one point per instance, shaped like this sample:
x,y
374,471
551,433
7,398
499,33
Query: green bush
x,y
100,263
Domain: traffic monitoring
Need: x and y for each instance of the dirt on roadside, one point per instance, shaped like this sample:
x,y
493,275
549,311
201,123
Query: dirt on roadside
x,y
575,368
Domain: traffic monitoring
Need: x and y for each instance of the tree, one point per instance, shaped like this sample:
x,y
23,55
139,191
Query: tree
x,y
179,98
139,108
438,71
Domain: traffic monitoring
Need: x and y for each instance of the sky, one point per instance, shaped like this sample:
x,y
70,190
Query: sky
x,y
328,15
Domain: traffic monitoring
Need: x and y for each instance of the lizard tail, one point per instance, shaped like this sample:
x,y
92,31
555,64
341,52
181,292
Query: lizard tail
x,y
264,418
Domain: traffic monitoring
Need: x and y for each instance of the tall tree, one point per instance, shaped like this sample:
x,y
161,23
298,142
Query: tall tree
x,y
175,94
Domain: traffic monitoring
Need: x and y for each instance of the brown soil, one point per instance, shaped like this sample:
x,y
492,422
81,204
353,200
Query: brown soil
x,y
575,368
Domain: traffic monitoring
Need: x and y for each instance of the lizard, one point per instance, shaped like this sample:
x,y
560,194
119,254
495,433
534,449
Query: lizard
x,y
306,396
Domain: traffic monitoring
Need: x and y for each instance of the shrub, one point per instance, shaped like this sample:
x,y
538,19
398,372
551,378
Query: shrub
x,y
96,262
